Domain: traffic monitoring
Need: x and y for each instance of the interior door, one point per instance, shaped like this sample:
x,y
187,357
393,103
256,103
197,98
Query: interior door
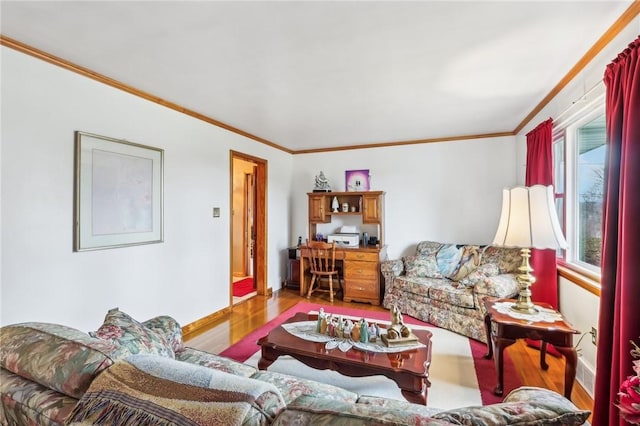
x,y
243,202
248,225
249,230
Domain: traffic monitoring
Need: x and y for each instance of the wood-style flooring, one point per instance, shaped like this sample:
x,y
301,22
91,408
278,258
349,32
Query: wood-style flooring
x,y
254,313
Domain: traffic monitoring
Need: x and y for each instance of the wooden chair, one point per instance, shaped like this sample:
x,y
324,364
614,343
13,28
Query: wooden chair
x,y
322,264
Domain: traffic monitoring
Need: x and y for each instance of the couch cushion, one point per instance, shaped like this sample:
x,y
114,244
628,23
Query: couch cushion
x,y
421,266
444,291
448,258
507,259
503,285
470,260
523,406
439,289
292,387
479,274
131,336
417,285
205,359
169,328
395,404
425,248
312,410
58,357
24,402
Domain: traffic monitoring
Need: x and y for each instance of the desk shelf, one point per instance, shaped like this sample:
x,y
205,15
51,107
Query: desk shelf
x,y
369,207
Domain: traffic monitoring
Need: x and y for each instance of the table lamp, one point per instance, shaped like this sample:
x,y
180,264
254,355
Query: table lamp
x,y
528,220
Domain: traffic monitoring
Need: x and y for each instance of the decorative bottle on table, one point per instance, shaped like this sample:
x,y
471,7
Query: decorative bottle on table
x,y
364,331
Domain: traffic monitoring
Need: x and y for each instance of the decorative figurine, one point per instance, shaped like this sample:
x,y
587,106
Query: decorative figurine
x,y
396,317
348,326
321,317
397,322
340,328
355,333
322,184
324,325
364,331
335,204
398,332
373,332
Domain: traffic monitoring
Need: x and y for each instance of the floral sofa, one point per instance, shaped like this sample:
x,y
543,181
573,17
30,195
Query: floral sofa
x,y
444,284
132,373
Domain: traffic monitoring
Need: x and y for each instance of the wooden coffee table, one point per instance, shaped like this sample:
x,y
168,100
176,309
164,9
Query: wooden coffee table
x,y
409,369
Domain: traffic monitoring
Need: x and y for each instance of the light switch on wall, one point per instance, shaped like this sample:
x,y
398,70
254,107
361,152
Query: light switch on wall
x,y
216,212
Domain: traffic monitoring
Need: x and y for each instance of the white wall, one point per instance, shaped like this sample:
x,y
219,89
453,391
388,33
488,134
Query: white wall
x,y
578,305
442,191
449,191
187,276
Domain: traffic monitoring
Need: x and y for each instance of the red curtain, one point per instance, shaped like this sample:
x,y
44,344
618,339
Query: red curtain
x,y
540,171
619,320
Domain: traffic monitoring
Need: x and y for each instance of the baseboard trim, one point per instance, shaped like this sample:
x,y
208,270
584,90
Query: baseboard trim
x,y
203,324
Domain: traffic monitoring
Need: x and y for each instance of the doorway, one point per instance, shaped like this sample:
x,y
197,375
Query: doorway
x,y
248,227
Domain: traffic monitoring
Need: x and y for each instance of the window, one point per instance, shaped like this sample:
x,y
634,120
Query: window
x,y
579,152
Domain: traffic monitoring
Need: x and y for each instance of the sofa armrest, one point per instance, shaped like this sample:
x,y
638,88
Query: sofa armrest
x,y
216,362
311,409
523,406
393,268
502,286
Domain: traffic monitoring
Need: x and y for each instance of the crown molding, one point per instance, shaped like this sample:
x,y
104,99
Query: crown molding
x,y
36,53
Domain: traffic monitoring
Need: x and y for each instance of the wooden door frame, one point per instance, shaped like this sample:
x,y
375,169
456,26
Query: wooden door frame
x,y
260,223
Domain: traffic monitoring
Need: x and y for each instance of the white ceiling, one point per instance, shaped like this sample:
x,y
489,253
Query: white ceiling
x,y
308,75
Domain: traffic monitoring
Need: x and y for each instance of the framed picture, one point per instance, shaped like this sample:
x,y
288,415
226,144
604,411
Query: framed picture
x,y
117,194
357,180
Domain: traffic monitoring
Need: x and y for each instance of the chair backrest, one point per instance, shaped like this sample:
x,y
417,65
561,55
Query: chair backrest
x,y
322,256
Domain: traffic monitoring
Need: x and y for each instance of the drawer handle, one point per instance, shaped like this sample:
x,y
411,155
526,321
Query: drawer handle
x,y
360,256
361,288
360,271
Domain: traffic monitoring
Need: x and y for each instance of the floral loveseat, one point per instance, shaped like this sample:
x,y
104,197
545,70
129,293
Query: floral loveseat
x,y
132,373
444,284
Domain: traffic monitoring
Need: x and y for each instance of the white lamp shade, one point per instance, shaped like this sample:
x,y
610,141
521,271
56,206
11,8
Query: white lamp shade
x,y
528,219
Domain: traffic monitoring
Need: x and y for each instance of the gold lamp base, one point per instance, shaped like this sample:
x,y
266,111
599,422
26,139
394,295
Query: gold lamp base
x,y
524,305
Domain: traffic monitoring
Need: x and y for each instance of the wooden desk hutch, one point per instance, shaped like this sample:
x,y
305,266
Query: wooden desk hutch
x,y
361,265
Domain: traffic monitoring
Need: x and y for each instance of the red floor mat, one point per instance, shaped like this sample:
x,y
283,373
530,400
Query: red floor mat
x,y
243,287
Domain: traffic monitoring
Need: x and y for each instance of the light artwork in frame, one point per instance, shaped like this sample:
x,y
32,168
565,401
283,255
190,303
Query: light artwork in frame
x,y
118,193
357,180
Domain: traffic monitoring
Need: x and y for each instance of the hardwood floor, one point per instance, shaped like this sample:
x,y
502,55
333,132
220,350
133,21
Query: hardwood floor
x,y
259,310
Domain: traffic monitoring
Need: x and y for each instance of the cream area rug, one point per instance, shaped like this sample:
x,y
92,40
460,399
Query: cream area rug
x,y
452,374
459,374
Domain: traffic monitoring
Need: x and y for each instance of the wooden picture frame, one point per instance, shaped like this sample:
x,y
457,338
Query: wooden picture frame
x,y
118,193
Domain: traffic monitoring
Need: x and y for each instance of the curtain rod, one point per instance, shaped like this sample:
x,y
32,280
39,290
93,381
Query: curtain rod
x,y
579,100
